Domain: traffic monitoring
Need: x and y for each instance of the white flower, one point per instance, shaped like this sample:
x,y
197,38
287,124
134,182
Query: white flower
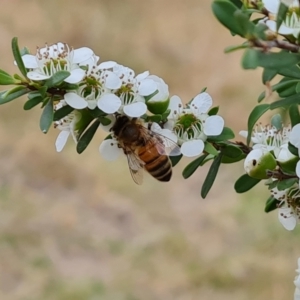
x,y
291,25
54,58
91,88
289,209
297,282
270,139
192,125
161,87
294,137
67,125
128,91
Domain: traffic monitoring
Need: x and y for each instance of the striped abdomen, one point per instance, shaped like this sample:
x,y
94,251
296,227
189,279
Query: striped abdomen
x,y
158,165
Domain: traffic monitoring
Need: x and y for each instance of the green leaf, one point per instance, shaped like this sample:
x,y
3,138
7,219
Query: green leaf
x,y
193,166
272,184
104,121
230,160
62,112
285,86
231,151
17,56
96,113
261,97
230,49
154,118
268,75
287,183
87,136
293,149
245,183
211,175
281,14
43,91
271,204
250,59
165,115
286,102
276,121
297,88
57,78
288,91
256,113
29,104
291,71
246,26
14,93
213,111
6,79
225,135
271,60
210,149
277,60
147,98
260,29
224,12
237,3
175,159
294,114
47,117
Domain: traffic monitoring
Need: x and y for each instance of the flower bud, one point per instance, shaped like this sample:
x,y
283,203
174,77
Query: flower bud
x,y
159,103
258,162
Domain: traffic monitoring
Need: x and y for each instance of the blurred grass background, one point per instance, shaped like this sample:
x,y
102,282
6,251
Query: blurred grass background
x,y
77,227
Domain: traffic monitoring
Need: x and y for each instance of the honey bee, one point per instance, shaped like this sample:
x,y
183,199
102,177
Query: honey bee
x,y
145,149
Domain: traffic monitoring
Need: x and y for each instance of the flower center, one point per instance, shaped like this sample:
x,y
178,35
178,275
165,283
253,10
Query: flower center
x,y
292,19
189,124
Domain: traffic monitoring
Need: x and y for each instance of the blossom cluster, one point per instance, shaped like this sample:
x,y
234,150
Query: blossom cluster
x,y
271,159
110,89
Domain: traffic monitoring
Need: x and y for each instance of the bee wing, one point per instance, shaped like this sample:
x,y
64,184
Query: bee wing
x,y
136,167
166,146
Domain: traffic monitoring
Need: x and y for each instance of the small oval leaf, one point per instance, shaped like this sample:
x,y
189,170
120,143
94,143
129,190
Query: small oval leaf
x,y
29,104
87,136
193,166
211,175
46,117
245,183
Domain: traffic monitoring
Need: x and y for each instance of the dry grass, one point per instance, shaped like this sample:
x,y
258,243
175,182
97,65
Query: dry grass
x,y
75,227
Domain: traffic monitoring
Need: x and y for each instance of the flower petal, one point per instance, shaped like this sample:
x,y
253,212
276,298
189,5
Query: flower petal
x,y
202,102
213,125
192,148
61,140
30,61
109,103
175,105
112,81
107,128
295,136
286,218
107,65
76,76
33,75
82,54
298,169
135,110
147,87
109,149
271,5
75,101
